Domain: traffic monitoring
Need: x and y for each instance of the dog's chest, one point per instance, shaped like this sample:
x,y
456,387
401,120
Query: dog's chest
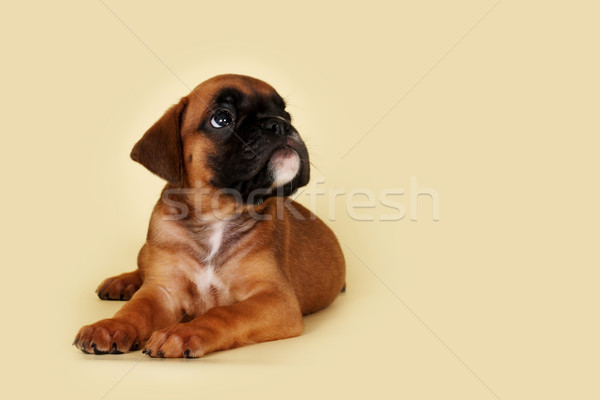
x,y
210,289
214,239
207,283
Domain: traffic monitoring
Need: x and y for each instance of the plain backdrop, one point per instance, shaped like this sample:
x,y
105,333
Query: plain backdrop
x,y
491,106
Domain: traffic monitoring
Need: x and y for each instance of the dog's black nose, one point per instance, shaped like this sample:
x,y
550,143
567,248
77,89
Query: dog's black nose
x,y
278,126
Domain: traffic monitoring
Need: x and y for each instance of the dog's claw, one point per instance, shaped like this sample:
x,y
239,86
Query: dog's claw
x,y
96,351
160,354
83,348
186,353
114,349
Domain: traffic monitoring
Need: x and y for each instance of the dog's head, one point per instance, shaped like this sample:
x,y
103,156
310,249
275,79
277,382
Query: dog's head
x,y
231,132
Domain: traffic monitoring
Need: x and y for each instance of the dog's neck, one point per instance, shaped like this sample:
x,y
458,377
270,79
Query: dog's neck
x,y
217,235
208,229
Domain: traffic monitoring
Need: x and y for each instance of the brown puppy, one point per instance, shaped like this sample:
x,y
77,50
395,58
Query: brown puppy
x,y
228,259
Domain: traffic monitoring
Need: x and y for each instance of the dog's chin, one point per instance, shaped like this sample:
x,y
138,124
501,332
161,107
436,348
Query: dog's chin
x,y
284,166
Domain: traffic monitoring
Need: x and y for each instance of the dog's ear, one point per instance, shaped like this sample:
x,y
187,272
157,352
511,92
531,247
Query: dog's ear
x,y
160,149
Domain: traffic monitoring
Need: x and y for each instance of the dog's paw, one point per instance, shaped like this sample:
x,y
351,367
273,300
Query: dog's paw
x,y
181,340
120,287
107,336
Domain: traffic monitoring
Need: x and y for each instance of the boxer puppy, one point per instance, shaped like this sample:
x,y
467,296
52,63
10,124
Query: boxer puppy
x,y
228,259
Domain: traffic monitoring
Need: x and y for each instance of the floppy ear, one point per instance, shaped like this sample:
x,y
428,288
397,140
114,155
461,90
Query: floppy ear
x,y
160,149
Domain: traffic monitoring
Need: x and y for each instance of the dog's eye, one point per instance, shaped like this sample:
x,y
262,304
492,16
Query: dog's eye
x,y
221,119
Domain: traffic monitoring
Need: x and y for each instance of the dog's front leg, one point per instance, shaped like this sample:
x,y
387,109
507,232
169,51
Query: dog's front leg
x,y
120,287
149,309
268,315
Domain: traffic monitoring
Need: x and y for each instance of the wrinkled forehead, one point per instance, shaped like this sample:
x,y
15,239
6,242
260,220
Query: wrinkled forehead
x,y
244,84
223,87
237,90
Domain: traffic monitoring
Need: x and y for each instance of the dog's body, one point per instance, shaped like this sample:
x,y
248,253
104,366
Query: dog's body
x,y
228,259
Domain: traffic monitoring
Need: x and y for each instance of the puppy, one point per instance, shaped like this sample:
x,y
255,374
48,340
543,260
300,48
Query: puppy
x,y
228,259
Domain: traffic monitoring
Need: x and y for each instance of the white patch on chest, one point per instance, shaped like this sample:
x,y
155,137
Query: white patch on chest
x,y
215,240
207,281
212,291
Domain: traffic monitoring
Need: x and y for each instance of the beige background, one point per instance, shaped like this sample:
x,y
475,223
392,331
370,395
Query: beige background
x,y
499,299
